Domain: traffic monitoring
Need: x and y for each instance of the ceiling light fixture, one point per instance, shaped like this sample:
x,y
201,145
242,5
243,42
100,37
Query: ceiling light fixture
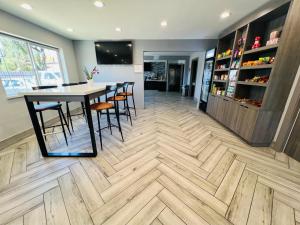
x,y
164,23
118,29
116,55
26,6
129,45
225,14
70,29
98,4
98,45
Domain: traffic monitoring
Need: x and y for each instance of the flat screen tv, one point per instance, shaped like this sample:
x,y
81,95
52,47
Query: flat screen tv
x,y
113,52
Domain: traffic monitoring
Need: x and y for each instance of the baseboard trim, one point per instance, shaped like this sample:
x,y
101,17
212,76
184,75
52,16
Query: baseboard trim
x,y
29,132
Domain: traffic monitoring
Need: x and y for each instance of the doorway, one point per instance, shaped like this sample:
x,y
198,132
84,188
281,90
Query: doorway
x,y
194,68
175,76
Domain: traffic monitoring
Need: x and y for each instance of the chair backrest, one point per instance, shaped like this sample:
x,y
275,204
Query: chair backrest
x,y
113,88
126,85
44,87
69,84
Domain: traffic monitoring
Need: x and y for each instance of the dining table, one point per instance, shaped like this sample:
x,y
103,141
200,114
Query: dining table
x,y
78,93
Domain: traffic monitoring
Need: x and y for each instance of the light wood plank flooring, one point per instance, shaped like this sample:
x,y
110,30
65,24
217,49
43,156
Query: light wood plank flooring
x,y
176,166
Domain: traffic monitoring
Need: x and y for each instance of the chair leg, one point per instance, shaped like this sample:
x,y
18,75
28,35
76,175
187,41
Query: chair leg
x,y
83,111
99,127
69,117
125,107
108,120
128,111
118,119
43,124
133,104
60,113
64,119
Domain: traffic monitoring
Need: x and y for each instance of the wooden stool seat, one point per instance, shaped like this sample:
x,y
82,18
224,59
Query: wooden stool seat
x,y
117,98
101,106
125,94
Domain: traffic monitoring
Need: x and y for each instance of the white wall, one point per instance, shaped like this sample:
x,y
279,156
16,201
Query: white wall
x,y
86,56
14,117
201,57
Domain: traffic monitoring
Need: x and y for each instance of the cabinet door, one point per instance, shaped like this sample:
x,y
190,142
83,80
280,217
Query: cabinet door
x,y
212,105
230,113
245,123
220,111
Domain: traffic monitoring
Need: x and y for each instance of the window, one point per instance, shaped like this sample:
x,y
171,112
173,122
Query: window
x,y
24,64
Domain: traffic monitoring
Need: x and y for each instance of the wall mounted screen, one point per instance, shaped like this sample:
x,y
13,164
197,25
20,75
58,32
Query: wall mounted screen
x,y
113,52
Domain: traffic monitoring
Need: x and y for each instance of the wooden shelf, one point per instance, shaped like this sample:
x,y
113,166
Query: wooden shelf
x,y
261,49
265,66
223,58
220,81
252,83
220,70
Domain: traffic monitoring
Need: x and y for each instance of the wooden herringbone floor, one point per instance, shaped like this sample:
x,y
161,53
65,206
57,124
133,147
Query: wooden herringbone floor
x,y
177,166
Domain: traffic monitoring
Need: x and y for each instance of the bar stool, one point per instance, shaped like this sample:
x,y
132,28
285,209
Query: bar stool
x,y
41,107
69,115
127,94
122,98
98,107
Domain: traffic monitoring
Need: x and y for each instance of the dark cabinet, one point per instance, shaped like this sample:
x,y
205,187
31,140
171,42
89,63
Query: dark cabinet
x,y
238,117
212,105
246,121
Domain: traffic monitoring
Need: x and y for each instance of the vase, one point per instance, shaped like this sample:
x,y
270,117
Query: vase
x,y
90,82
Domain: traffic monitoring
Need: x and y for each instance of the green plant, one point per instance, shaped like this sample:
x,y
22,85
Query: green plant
x,y
90,75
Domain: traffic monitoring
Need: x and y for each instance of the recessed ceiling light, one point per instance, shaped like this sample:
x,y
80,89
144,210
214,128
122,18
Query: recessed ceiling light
x,y
118,29
225,14
116,55
107,51
26,6
70,29
129,45
164,23
98,45
98,4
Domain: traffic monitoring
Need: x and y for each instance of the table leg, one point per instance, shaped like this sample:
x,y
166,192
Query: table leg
x,y
36,126
90,123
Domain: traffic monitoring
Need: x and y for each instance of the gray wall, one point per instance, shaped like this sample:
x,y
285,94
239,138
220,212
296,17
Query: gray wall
x,y
14,117
86,56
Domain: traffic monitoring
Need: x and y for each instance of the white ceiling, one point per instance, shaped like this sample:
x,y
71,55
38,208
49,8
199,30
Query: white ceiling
x,y
138,19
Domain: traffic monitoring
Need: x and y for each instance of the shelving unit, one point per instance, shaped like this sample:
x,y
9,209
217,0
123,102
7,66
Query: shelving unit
x,y
261,49
241,106
224,58
252,83
266,66
222,81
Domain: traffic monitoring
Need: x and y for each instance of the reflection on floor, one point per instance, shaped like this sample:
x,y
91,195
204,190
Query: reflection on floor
x,y
177,166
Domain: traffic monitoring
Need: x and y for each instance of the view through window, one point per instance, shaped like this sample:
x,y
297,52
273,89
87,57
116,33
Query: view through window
x,y
24,64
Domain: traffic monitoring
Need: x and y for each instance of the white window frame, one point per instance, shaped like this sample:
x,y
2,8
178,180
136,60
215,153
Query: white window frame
x,y
29,43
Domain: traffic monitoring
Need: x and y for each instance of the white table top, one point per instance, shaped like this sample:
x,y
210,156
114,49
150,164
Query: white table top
x,y
83,89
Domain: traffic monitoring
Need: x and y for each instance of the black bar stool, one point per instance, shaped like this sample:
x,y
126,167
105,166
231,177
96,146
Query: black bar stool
x,y
127,94
118,98
41,107
100,106
69,115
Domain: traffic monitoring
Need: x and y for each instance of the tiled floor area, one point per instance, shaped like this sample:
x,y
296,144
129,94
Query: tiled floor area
x,y
177,166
